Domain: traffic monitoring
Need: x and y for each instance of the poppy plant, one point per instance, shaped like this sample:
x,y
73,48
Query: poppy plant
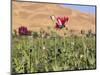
x,y
61,22
24,31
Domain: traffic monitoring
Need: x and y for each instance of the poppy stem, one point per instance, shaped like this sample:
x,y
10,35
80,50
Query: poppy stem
x,y
64,48
85,50
25,67
30,62
55,51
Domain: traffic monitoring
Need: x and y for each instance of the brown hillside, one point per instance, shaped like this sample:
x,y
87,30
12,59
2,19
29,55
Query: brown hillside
x,y
37,15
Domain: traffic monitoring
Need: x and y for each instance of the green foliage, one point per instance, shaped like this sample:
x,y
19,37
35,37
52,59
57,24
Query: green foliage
x,y
53,54
35,34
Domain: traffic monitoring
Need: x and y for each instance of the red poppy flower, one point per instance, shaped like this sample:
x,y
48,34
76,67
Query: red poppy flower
x,y
24,31
61,22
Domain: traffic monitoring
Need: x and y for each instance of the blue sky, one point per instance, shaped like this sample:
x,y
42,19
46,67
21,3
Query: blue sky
x,y
82,8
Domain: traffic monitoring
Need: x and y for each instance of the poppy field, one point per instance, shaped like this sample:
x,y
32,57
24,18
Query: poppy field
x,y
35,53
52,38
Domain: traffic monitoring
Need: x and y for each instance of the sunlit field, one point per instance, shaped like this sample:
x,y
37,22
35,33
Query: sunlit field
x,y
35,53
48,37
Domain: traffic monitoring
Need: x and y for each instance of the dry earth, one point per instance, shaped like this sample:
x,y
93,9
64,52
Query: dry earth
x,y
37,15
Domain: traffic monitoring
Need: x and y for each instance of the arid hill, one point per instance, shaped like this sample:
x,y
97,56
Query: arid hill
x,y
37,15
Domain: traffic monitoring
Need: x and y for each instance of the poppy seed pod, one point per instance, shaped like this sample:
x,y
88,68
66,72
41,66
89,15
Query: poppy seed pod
x,y
59,50
43,47
30,50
